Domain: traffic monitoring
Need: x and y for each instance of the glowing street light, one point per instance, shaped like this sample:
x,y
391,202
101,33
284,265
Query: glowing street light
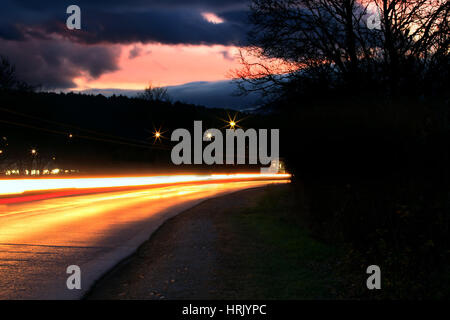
x,y
158,134
33,152
232,122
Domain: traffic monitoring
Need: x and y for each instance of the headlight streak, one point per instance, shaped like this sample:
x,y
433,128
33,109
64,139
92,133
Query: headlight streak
x,y
21,186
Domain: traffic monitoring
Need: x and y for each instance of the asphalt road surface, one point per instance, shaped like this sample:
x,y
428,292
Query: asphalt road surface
x,y
40,239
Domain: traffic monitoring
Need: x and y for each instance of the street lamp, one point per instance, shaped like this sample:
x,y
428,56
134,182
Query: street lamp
x,y
158,134
232,122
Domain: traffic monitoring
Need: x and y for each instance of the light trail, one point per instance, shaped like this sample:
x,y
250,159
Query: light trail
x,y
21,186
95,231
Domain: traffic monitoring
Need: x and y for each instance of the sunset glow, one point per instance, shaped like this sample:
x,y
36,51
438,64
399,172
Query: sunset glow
x,y
165,65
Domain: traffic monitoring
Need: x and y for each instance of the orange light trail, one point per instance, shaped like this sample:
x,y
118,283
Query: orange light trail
x,y
20,186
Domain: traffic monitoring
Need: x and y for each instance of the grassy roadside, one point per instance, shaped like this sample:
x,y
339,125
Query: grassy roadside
x,y
248,245
272,255
260,243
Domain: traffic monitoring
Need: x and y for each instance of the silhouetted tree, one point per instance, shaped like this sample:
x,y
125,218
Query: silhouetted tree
x,y
7,74
334,42
152,93
8,78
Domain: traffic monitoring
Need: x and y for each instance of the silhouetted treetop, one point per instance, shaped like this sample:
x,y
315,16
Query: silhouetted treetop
x,y
152,93
8,77
346,41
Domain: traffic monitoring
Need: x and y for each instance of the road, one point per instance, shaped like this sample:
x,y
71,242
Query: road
x,y
40,239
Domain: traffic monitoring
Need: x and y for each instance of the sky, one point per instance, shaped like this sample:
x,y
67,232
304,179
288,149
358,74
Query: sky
x,y
123,44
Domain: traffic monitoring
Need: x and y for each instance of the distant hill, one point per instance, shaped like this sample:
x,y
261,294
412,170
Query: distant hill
x,y
212,94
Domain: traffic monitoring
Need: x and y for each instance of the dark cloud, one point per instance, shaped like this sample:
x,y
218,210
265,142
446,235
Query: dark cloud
x,y
170,22
130,5
34,36
55,63
135,52
227,55
164,26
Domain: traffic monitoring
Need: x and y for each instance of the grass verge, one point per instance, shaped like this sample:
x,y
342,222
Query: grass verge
x,y
274,256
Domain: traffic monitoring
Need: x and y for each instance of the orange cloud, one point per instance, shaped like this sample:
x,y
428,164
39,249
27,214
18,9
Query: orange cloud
x,y
212,18
165,65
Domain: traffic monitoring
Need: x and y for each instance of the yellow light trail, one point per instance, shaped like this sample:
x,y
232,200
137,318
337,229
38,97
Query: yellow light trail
x,y
20,186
